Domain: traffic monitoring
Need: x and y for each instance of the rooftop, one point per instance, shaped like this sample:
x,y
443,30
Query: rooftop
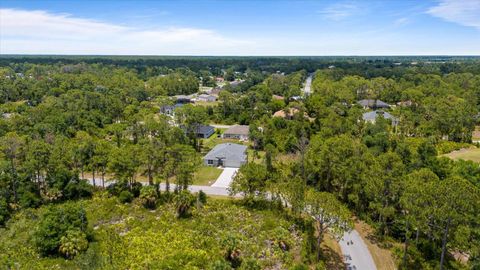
x,y
238,129
230,151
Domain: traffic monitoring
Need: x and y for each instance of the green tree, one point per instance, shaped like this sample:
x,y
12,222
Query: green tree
x,y
250,180
328,214
55,223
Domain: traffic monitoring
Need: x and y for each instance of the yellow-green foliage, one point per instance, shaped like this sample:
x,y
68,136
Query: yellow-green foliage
x,y
127,236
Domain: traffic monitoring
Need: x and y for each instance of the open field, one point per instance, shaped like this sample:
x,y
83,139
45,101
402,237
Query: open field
x,y
128,236
472,154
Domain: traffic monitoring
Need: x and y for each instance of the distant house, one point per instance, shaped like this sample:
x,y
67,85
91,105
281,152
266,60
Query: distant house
x,y
373,104
219,79
170,109
215,91
184,98
238,132
204,131
277,97
236,83
201,131
226,155
206,98
371,117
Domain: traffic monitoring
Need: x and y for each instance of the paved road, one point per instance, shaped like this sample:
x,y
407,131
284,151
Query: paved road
x,y
356,255
225,178
210,190
307,89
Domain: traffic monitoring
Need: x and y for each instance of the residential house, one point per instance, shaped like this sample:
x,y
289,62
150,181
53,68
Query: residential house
x,y
226,155
184,99
373,104
371,117
170,109
206,98
239,132
204,131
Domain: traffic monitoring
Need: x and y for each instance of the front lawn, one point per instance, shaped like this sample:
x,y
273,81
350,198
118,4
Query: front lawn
x,y
206,176
472,154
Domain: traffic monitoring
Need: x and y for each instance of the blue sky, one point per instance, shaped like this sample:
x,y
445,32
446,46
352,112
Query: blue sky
x,y
353,27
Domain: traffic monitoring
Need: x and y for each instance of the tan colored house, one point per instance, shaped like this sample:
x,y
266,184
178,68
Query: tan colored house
x,y
239,132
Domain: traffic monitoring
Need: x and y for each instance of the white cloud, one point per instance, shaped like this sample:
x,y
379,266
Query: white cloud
x,y
339,11
401,21
23,31
463,12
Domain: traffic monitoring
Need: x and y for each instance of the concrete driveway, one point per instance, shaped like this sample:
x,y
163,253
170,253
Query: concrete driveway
x,y
225,178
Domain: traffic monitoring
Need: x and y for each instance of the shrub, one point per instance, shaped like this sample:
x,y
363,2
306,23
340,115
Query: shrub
x,y
135,188
149,197
77,189
55,223
125,196
72,243
202,197
4,211
184,200
220,265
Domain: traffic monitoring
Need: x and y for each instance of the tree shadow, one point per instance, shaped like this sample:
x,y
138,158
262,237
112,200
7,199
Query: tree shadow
x,y
333,260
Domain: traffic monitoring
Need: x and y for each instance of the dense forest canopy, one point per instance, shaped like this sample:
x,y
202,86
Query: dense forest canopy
x,y
68,118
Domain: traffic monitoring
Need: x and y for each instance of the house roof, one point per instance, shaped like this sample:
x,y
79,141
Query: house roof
x,y
373,103
203,129
371,116
238,129
228,151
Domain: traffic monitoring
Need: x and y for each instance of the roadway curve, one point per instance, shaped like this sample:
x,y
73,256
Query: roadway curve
x,y
356,255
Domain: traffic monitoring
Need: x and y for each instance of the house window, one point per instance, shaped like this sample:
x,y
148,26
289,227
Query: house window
x,y
210,162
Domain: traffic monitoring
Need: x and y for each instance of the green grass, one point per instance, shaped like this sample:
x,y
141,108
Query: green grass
x,y
206,176
127,236
472,154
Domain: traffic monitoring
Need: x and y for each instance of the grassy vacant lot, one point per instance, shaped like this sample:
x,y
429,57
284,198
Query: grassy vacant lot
x,y
472,154
127,236
206,176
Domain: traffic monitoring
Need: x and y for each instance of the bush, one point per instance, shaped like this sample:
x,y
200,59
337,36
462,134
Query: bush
x,y
184,200
74,242
55,224
78,189
116,188
202,197
125,196
135,188
149,197
4,211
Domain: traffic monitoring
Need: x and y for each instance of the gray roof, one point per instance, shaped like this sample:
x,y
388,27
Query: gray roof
x,y
371,103
238,129
203,129
228,151
371,116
